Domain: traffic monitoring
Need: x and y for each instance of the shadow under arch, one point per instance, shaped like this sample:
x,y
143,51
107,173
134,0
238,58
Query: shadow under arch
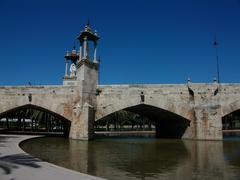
x,y
231,132
167,124
231,121
36,114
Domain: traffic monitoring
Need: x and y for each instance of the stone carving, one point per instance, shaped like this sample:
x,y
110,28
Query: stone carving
x,y
73,70
77,109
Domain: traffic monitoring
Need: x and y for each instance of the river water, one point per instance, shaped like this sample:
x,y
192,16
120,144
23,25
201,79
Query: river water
x,y
142,158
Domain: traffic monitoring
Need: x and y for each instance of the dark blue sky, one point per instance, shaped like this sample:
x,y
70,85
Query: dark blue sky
x,y
142,41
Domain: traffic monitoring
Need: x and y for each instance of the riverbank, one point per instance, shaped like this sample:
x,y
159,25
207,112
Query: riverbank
x,y
125,133
15,164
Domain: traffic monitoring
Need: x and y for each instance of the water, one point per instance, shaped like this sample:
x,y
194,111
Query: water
x,y
142,158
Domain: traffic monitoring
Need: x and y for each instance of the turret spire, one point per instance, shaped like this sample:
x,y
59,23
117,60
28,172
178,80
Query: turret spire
x,y
88,36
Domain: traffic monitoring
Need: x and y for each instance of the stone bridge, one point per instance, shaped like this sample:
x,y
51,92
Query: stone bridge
x,y
200,106
189,110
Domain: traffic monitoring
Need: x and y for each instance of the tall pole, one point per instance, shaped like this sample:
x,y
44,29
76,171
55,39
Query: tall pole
x,y
215,44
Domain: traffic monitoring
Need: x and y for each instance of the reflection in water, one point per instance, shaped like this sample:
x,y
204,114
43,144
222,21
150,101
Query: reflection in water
x,y
142,158
206,160
231,150
133,157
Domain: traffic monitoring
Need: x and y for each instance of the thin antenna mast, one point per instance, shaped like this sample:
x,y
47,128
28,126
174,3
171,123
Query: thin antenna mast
x,y
215,44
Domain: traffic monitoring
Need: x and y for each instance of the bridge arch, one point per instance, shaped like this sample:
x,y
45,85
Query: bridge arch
x,y
61,109
20,114
229,108
167,123
33,107
231,116
184,110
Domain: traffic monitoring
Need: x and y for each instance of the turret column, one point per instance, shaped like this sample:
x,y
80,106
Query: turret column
x,y
85,48
95,52
80,52
66,69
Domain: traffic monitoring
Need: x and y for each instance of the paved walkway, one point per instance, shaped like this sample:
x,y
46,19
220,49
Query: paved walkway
x,y
15,164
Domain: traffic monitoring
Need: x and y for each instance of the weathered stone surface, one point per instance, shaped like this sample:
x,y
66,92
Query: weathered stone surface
x,y
173,98
57,99
203,105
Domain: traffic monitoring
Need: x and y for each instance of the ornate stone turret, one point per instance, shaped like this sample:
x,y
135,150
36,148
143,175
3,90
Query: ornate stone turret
x,y
83,57
87,68
86,36
70,79
86,79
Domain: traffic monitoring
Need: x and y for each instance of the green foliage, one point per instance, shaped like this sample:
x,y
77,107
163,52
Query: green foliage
x,y
31,119
124,120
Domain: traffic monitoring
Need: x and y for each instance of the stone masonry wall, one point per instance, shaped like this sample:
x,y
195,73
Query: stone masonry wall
x,y
58,99
203,105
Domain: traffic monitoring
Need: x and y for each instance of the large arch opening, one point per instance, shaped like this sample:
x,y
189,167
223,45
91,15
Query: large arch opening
x,y
31,119
231,124
163,123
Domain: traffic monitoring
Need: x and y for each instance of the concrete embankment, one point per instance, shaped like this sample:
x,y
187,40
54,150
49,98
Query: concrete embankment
x,y
125,133
15,164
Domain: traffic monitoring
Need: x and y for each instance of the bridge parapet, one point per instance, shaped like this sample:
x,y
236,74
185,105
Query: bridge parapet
x,y
37,89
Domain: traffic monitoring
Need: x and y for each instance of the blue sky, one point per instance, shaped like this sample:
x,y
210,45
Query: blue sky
x,y
142,41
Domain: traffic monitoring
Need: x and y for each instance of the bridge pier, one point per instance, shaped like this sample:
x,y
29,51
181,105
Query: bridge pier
x,y
204,127
206,124
209,123
82,126
206,121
